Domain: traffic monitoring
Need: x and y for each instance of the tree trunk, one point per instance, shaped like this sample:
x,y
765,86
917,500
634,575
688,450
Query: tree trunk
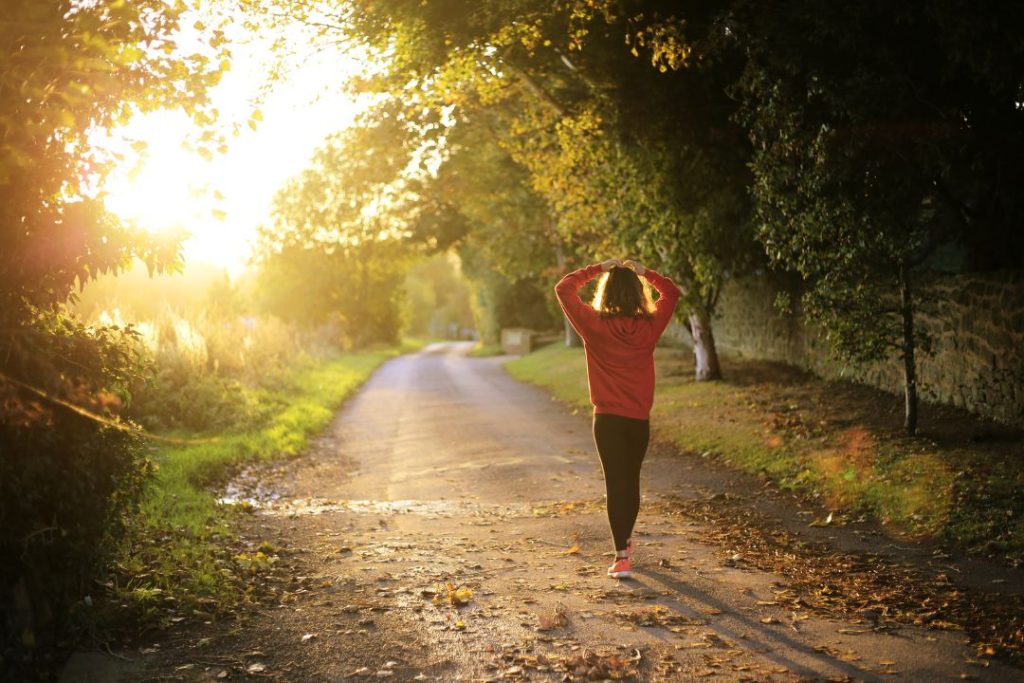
x,y
909,365
571,338
705,355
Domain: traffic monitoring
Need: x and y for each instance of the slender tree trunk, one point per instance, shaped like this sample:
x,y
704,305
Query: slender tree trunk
x,y
571,338
909,364
705,355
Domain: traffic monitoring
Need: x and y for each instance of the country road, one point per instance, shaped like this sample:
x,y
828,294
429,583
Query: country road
x,y
442,469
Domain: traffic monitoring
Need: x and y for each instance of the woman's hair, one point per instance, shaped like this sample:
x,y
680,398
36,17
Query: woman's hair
x,y
620,293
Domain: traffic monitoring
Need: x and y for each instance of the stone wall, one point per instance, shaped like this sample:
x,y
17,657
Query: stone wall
x,y
976,322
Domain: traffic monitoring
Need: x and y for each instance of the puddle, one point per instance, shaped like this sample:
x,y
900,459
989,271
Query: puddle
x,y
247,489
426,508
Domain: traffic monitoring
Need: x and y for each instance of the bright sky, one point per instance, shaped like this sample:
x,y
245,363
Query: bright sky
x,y
170,187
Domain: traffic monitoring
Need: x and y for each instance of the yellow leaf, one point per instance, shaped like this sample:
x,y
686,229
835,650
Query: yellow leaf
x,y
461,596
574,550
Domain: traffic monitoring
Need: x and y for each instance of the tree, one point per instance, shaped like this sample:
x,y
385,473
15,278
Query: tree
x,y
70,69
437,297
875,132
337,250
606,145
507,241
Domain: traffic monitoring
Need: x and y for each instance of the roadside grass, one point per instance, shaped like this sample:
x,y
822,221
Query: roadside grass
x,y
481,350
179,557
960,481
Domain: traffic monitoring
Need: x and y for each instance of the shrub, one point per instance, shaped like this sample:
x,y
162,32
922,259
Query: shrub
x,y
207,369
66,487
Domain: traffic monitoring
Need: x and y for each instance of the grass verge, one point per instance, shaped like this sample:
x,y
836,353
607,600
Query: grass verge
x,y
961,480
177,558
482,350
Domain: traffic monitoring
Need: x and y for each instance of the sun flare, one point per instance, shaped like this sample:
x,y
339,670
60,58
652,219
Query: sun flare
x,y
220,202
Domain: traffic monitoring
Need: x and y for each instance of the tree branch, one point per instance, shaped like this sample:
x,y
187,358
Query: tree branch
x,y
540,93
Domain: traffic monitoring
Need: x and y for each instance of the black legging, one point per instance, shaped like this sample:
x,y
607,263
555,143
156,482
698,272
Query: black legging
x,y
621,444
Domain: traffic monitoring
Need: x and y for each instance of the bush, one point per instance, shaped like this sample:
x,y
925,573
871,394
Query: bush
x,y
66,488
198,402
66,481
525,303
207,369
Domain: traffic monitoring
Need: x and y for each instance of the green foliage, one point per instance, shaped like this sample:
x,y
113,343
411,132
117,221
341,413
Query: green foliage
x,y
337,252
356,289
66,491
498,301
66,482
525,303
70,67
875,145
437,297
507,234
180,398
559,99
70,70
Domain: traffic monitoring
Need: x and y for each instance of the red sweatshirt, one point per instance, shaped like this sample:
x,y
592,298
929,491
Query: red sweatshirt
x,y
620,350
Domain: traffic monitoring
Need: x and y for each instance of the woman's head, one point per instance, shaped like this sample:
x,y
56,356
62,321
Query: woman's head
x,y
620,292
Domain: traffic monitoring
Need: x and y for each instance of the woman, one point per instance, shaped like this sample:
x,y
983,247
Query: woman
x,y
619,333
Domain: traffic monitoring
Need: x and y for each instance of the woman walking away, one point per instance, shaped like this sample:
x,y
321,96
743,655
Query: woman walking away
x,y
619,333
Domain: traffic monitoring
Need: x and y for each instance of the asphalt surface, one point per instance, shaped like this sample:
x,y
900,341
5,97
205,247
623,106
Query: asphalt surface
x,y
443,470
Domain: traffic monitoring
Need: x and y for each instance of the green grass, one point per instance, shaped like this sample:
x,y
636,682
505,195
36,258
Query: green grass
x,y
482,350
177,551
180,494
812,438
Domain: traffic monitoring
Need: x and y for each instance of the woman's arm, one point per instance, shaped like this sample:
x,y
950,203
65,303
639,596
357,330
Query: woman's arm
x,y
580,315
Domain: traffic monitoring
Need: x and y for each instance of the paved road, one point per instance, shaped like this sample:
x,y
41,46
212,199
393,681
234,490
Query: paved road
x,y
442,470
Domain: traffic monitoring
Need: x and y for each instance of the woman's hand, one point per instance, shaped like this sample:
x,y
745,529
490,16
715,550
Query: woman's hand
x,y
637,268
610,263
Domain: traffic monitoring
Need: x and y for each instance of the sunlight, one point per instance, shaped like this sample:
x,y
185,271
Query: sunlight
x,y
221,201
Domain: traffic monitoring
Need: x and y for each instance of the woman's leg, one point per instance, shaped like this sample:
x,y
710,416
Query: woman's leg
x,y
621,444
637,436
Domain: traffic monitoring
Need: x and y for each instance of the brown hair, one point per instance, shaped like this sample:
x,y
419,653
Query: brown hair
x,y
620,293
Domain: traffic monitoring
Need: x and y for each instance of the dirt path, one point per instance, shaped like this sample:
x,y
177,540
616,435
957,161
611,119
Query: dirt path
x,y
443,470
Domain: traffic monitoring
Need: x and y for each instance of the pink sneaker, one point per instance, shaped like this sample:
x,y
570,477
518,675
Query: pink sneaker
x,y
620,570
